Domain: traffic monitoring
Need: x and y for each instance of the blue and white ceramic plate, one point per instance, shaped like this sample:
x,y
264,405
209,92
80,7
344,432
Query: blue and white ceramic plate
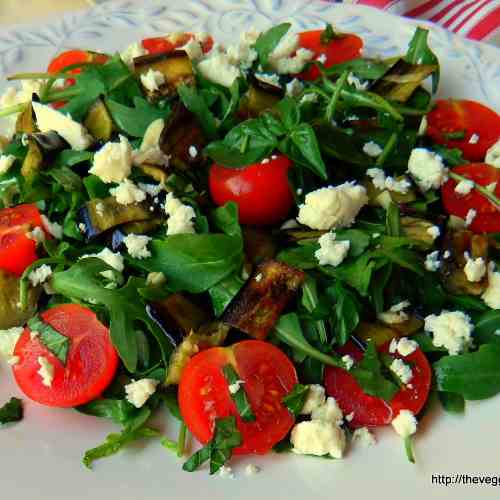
x,y
40,458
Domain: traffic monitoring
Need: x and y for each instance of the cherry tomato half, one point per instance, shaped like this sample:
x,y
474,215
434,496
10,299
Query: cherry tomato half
x,y
261,190
162,44
341,49
372,411
268,375
90,366
487,217
468,117
17,251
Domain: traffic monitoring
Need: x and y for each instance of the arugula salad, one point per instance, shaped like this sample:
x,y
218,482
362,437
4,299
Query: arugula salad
x,y
282,242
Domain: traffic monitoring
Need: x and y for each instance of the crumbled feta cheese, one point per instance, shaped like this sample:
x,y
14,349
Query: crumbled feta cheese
x,y
422,129
331,252
37,234
308,98
356,82
474,269
152,189
349,417
235,387
322,59
181,216
269,78
372,149
193,151
491,296
318,437
81,227
137,246
139,391
74,133
113,162
127,193
40,275
290,224
149,151
364,437
348,361
244,54
6,161
294,88
329,411
287,46
315,398
155,279
299,191
152,80
474,139
46,371
258,278
217,68
405,346
434,232
493,155
53,228
114,260
193,50
395,314
401,370
469,218
447,254
405,424
226,471
380,181
8,341
491,187
427,168
450,329
251,470
292,65
265,161
131,52
432,262
332,207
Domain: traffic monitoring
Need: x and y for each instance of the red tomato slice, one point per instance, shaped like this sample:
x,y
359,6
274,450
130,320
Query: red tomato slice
x,y
369,410
162,44
17,251
337,51
90,366
470,117
268,376
487,219
261,190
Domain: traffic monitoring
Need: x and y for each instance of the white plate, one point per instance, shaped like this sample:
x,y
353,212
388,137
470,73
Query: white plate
x,y
40,457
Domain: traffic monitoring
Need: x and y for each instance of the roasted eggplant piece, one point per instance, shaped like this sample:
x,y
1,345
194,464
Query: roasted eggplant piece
x,y
33,162
26,123
381,333
181,132
155,172
99,215
260,302
299,234
10,313
98,122
260,97
175,66
418,229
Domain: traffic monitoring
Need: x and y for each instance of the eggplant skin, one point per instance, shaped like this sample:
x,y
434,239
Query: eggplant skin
x,y
259,304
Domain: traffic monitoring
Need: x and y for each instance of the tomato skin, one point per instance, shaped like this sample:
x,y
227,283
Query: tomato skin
x,y
161,44
90,366
337,51
468,116
261,190
268,376
487,219
17,251
371,411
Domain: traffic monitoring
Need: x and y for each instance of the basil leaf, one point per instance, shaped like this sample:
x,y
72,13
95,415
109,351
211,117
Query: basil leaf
x,y
119,411
195,103
66,178
453,157
302,257
54,341
295,399
367,69
269,40
310,301
474,375
239,397
452,403
224,292
289,113
12,411
487,328
346,312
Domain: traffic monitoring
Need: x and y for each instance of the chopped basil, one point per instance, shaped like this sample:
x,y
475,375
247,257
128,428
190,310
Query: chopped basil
x,y
238,394
12,411
54,341
295,399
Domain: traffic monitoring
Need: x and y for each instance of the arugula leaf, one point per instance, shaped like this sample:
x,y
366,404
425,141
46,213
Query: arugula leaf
x,y
302,256
70,157
12,411
295,399
368,373
220,449
54,341
310,301
269,40
474,375
239,397
367,69
392,220
346,312
451,402
487,328
119,411
453,157
66,178
224,292
194,102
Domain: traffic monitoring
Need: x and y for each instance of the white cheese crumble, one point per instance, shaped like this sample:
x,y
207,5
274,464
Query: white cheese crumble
x,y
193,152
356,82
364,437
450,329
152,189
333,206
432,262
139,391
434,232
181,216
40,275
491,296
329,411
114,260
155,279
469,218
46,371
395,314
315,398
99,208
137,246
292,65
217,68
474,269
348,361
149,151
131,52
331,252
308,98
193,49
474,139
372,149
427,169
491,187
403,346
269,78
493,155
244,54
251,470
380,181
74,133
8,341
235,387
55,229
226,471
405,424
127,193
349,417
294,88
6,161
258,278
37,234
422,129
113,162
152,80
319,438
401,370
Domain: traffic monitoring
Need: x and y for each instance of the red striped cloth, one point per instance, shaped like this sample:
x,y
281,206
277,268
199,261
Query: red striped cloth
x,y
475,19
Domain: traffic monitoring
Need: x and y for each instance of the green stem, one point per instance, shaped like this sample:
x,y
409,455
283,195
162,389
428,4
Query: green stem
x,y
169,444
10,110
330,109
487,194
388,148
409,449
181,440
405,110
